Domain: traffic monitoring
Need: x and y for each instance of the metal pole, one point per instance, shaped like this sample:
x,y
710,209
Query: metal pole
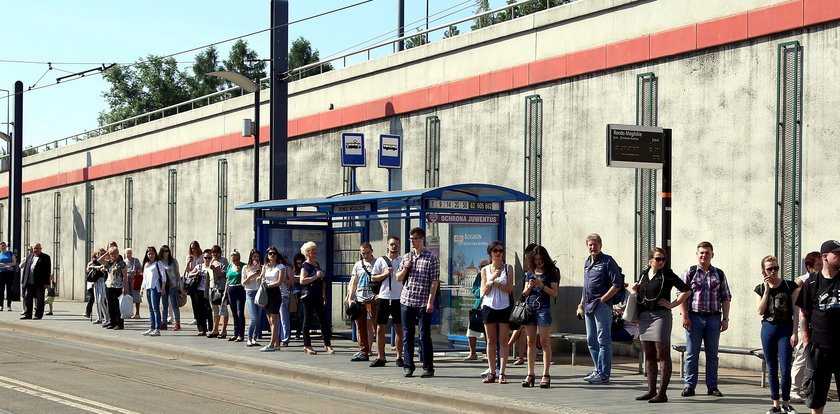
x,y
666,192
256,154
427,14
400,24
279,101
15,171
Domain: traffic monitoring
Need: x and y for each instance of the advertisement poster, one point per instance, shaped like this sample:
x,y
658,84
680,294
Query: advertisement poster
x,y
468,247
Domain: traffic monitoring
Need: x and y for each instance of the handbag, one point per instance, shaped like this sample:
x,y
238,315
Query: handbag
x,y
93,275
521,311
125,302
261,298
476,320
216,296
631,309
181,297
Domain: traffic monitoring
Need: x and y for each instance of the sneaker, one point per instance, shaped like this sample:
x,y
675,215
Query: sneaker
x,y
98,321
1,308
268,349
177,327
148,332
378,362
163,327
427,373
400,363
774,410
359,357
156,332
797,399
48,313
192,322
789,409
599,380
590,375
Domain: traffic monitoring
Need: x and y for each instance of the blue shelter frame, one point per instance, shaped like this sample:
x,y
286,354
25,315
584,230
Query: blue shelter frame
x,y
340,222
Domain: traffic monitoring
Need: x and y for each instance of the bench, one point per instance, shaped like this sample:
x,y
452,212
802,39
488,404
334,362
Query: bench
x,y
759,353
574,338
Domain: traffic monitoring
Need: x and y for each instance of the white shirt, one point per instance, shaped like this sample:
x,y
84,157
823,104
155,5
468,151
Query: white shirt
x,y
363,290
272,274
153,274
34,262
496,299
254,283
391,287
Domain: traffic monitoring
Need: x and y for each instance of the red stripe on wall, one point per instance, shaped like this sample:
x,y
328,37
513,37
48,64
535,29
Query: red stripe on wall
x,y
731,29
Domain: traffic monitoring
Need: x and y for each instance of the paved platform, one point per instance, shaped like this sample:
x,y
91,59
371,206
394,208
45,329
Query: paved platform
x,y
457,384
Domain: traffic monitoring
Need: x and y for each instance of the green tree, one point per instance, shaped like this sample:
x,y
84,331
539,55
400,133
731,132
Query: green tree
x,y
199,84
416,40
245,61
482,6
144,87
302,54
527,8
451,31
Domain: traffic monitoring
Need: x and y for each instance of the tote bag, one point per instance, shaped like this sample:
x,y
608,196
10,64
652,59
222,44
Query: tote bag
x,y
631,311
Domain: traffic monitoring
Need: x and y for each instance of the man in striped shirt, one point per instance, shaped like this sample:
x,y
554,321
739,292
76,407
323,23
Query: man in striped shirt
x,y
420,274
704,316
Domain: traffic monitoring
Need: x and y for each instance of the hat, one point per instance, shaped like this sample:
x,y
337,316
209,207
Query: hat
x,y
830,246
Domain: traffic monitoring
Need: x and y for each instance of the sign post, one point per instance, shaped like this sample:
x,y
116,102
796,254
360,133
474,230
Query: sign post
x,y
390,151
352,150
633,146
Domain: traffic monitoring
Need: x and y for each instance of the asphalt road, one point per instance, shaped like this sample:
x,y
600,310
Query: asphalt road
x,y
40,375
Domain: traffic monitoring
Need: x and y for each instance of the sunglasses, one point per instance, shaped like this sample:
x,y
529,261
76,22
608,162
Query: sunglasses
x,y
659,259
415,238
772,269
271,253
298,263
393,244
207,257
498,250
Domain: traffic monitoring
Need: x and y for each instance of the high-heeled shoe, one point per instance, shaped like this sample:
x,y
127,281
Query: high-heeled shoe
x,y
529,381
502,379
546,381
491,377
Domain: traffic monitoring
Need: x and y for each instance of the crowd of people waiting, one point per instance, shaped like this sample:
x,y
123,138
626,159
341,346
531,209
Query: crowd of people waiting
x,y
404,288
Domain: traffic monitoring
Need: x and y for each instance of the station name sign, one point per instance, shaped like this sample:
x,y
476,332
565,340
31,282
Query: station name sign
x,y
633,146
462,218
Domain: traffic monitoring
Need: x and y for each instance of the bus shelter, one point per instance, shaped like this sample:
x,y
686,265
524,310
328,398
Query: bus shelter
x,y
460,222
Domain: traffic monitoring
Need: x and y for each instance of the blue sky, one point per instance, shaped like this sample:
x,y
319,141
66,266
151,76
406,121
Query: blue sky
x,y
100,31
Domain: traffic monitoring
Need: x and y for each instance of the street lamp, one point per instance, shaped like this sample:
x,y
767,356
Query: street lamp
x,y
248,86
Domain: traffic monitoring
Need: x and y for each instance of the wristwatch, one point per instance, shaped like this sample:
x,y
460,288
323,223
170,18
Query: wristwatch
x,y
725,319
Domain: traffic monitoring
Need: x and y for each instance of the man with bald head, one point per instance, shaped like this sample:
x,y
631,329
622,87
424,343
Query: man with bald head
x,y
35,277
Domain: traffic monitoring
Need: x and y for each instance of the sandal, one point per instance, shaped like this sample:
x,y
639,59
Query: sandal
x,y
529,381
519,361
491,377
546,381
309,351
329,350
502,379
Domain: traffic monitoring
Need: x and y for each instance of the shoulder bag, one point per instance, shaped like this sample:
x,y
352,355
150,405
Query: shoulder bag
x,y
631,309
521,311
261,298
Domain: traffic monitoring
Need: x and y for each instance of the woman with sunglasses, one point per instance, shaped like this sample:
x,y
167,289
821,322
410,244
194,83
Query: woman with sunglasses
x,y
175,287
496,286
540,286
202,312
653,296
273,273
235,296
312,298
155,285
218,272
114,286
251,281
288,280
775,305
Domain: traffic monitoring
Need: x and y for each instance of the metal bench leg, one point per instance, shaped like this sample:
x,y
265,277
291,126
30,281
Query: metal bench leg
x,y
682,364
763,373
574,350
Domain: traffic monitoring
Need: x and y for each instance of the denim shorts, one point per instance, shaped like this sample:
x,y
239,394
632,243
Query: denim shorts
x,y
540,317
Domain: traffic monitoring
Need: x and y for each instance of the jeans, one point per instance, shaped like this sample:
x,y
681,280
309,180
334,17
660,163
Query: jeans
x,y
705,329
236,298
775,341
153,299
256,312
599,338
113,297
6,287
171,300
285,320
101,303
410,317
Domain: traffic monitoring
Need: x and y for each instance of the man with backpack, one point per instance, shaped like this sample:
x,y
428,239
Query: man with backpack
x,y
388,301
704,316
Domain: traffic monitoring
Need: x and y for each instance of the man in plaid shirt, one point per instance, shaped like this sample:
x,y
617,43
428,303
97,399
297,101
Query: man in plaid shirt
x,y
704,316
420,274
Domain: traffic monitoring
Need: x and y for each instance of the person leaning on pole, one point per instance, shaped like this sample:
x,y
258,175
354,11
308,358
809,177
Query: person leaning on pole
x,y
819,300
704,316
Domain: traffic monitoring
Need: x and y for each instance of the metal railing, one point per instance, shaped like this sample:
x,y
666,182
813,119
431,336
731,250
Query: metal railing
x,y
231,92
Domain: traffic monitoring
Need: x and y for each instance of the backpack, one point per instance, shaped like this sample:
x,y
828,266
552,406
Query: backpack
x,y
692,271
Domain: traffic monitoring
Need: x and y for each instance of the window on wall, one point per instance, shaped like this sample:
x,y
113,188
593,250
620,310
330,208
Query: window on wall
x,y
172,210
128,221
56,247
788,211
89,220
27,204
645,179
222,205
533,168
432,177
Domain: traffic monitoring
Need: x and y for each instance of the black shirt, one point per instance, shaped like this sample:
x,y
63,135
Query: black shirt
x,y
658,287
780,303
820,301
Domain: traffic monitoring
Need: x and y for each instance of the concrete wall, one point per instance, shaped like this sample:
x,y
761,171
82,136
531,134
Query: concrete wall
x,y
720,102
